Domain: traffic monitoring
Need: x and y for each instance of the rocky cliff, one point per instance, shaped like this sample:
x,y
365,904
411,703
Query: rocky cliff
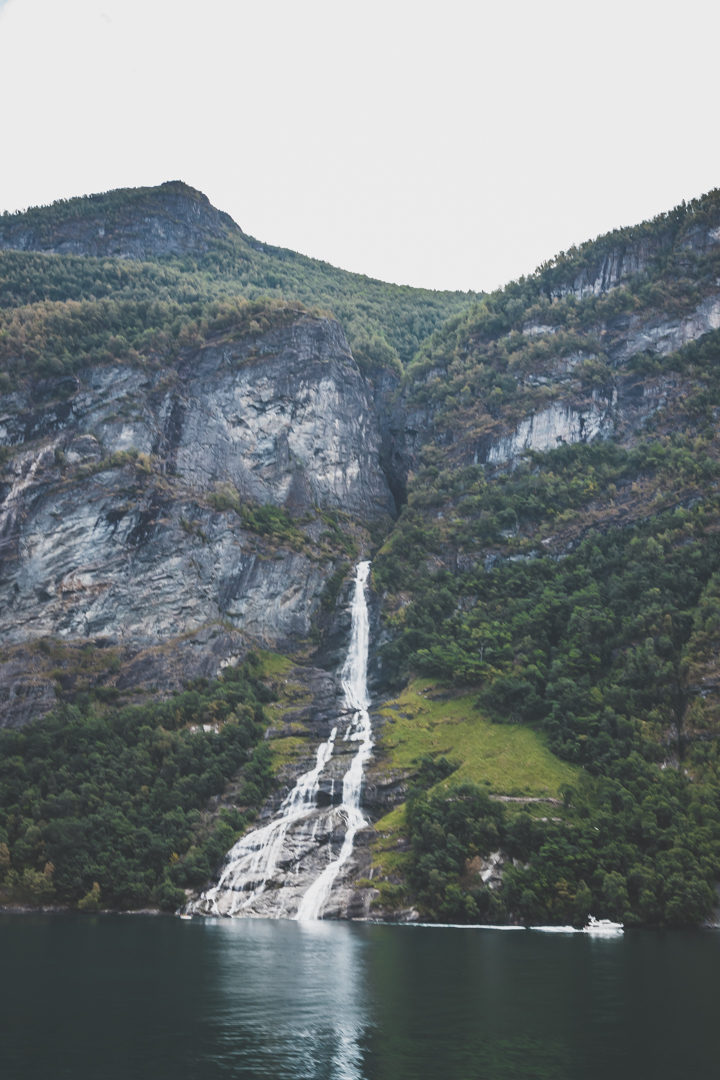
x,y
185,478
129,486
138,504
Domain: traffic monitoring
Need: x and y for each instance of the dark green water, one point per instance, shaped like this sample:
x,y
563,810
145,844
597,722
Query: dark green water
x,y
136,998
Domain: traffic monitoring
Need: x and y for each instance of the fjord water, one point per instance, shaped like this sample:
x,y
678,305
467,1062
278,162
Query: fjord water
x,y
154,998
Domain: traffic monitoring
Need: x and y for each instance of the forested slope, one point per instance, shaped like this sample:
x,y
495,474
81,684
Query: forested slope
x,y
83,293
557,564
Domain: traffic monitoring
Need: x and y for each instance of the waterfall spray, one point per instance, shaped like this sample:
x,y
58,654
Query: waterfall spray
x,y
255,856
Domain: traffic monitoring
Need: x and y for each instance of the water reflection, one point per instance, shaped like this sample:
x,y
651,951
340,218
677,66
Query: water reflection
x,y
475,1005
292,996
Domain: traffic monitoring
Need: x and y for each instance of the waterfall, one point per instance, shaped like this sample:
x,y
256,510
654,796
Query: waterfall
x,y
255,856
262,872
354,678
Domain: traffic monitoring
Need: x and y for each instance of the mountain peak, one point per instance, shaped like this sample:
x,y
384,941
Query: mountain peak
x,y
134,223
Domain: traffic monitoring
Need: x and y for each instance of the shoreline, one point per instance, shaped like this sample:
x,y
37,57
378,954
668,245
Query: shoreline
x,y
20,909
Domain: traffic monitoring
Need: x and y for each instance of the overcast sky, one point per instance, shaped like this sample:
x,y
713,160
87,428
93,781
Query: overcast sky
x,y
448,144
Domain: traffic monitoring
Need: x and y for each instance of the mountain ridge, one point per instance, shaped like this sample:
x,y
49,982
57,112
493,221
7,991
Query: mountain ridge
x,y
177,225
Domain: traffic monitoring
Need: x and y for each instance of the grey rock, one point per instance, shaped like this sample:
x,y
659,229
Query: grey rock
x,y
559,423
633,253
662,336
289,421
285,419
168,666
34,676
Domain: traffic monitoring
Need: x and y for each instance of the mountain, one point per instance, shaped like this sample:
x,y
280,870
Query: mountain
x,y
195,453
204,256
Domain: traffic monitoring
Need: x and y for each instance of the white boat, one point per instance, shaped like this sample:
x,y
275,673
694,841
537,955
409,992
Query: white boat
x,y
603,926
186,916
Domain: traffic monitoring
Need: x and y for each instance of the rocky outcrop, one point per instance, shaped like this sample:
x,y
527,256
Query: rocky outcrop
x,y
288,420
558,424
27,688
627,405
661,335
37,675
620,408
599,266
606,269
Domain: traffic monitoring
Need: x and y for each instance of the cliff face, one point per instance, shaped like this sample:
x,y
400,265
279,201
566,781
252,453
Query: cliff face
x,y
123,518
176,487
288,419
613,260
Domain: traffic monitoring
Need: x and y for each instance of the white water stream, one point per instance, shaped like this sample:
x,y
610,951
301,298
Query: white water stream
x,y
356,698
258,868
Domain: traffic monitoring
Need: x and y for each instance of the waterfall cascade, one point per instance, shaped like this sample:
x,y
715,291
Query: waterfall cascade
x,y
356,699
281,870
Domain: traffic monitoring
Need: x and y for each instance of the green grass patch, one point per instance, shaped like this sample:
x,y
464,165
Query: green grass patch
x,y
291,695
387,859
274,664
394,822
511,759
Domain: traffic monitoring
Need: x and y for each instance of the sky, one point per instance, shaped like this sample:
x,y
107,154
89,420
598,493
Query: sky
x,y
452,145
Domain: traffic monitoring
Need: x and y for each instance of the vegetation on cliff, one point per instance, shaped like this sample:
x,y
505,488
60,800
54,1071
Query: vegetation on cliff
x,y
572,592
61,310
